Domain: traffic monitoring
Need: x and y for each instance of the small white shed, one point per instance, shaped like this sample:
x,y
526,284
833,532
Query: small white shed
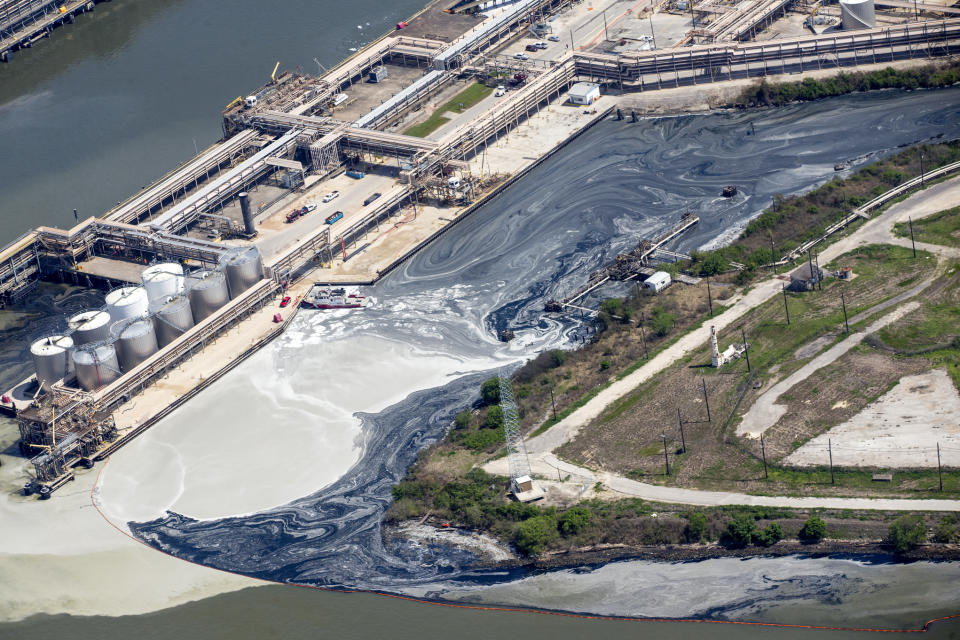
x,y
658,281
584,93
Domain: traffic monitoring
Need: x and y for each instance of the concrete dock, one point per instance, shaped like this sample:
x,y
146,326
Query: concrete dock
x,y
335,148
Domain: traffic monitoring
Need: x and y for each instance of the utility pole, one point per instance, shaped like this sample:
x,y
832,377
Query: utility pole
x,y
746,352
605,36
843,301
643,336
763,453
666,459
785,307
76,218
571,40
939,467
553,402
652,35
910,220
810,264
707,402
773,256
830,449
816,259
683,440
709,297
922,172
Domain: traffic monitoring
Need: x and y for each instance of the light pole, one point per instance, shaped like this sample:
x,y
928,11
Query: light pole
x,y
922,172
666,460
652,35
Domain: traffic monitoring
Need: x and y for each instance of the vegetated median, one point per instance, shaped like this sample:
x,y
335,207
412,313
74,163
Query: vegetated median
x,y
446,486
467,98
931,76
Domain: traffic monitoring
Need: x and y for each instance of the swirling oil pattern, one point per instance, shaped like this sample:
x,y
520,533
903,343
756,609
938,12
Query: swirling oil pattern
x,y
546,234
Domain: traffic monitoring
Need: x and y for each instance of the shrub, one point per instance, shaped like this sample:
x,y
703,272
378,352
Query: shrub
x,y
662,321
490,391
771,535
532,536
813,530
574,520
696,527
558,357
494,418
604,365
481,439
946,530
741,530
462,421
907,532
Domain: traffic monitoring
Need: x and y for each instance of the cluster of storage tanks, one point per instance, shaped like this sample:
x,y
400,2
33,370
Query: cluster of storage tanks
x,y
137,321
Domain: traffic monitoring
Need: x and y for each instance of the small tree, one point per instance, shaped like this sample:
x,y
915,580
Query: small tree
x,y
462,421
494,418
574,520
907,532
533,535
771,535
813,530
558,357
741,530
490,391
662,321
946,530
696,527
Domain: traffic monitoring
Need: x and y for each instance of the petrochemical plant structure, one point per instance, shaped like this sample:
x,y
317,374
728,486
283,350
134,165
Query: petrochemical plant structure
x,y
64,411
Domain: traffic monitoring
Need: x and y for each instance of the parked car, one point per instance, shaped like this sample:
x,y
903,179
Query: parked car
x,y
521,56
553,38
541,45
310,206
293,215
532,47
500,91
372,197
333,195
285,301
334,217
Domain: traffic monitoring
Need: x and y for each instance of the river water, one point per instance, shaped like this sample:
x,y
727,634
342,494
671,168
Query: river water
x,y
118,110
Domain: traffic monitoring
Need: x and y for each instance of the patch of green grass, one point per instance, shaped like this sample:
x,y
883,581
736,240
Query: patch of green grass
x,y
941,228
465,99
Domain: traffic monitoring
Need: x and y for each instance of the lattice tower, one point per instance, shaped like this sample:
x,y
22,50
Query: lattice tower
x,y
516,451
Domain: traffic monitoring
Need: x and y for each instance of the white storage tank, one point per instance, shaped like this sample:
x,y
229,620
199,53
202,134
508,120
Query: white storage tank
x,y
89,326
857,14
135,340
127,302
171,319
244,268
207,291
51,357
163,280
96,365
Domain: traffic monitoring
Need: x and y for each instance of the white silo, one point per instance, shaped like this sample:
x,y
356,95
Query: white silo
x,y
135,340
96,365
207,291
857,14
163,280
51,357
89,326
244,268
127,302
171,319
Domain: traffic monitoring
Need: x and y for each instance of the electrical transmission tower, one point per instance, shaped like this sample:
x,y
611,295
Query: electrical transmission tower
x,y
516,451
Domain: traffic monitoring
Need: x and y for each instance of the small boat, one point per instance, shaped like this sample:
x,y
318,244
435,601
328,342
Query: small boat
x,y
326,297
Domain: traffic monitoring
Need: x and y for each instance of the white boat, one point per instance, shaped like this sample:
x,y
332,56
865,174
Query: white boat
x,y
327,297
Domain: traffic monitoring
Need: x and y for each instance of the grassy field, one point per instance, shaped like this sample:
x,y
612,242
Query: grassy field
x,y
459,103
941,228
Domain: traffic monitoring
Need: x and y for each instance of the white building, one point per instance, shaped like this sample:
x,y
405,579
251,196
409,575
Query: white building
x,y
658,281
584,93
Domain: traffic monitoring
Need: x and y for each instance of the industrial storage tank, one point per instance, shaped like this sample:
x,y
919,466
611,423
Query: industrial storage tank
x,y
244,268
857,14
51,357
163,280
135,340
171,319
89,326
207,291
96,365
127,302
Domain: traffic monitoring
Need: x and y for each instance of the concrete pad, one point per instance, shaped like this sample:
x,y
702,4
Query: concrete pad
x,y
901,429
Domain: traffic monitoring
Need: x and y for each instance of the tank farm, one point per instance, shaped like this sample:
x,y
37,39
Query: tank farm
x,y
194,264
